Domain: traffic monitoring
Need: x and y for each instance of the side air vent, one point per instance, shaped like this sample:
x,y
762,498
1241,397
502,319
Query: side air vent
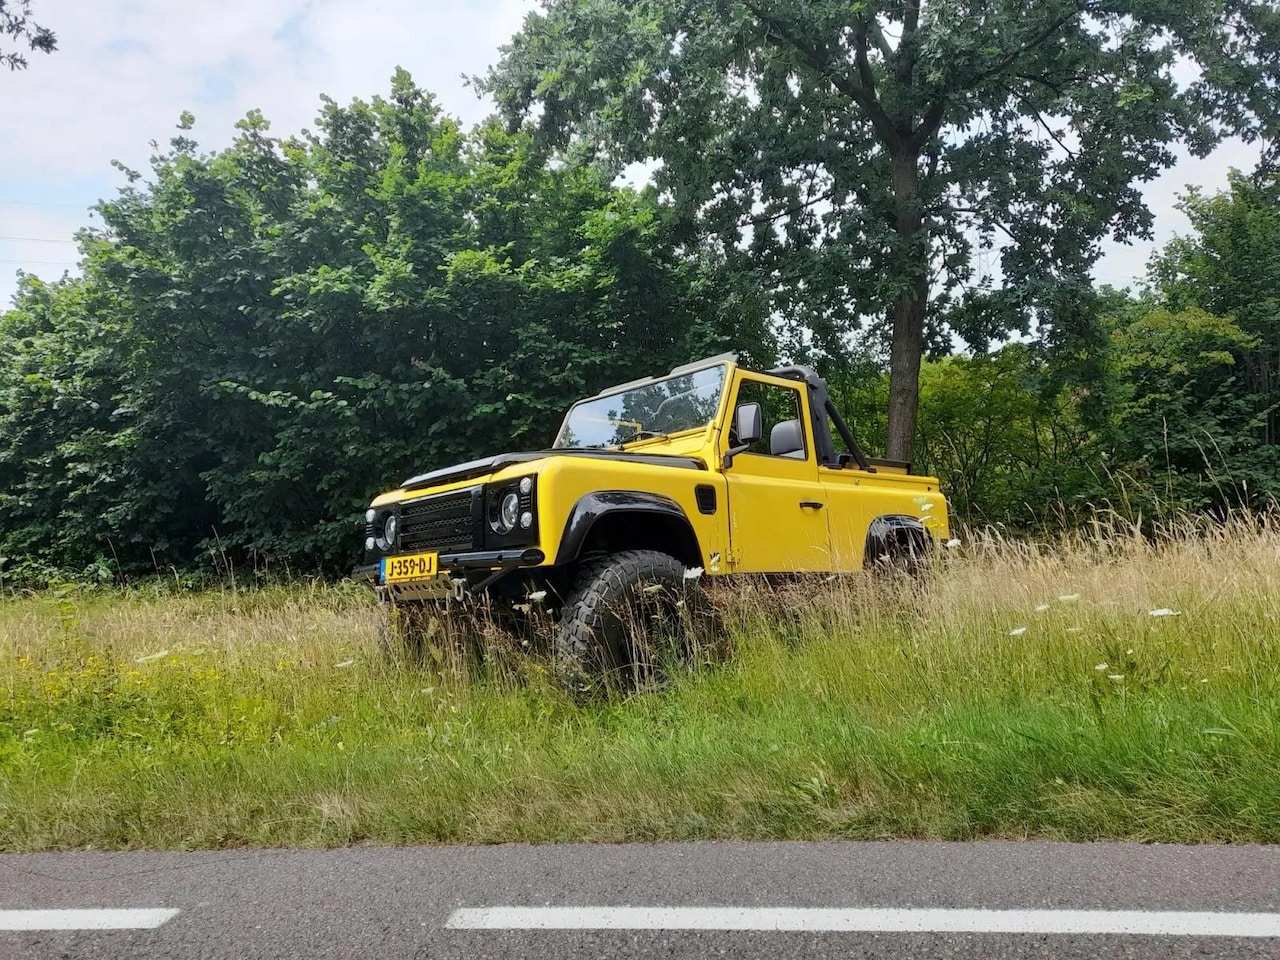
x,y
706,497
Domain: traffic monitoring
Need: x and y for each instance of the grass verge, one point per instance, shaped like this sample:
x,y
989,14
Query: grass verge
x,y
1105,687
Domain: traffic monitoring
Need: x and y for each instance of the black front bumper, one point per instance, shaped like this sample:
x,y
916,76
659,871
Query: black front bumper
x,y
497,561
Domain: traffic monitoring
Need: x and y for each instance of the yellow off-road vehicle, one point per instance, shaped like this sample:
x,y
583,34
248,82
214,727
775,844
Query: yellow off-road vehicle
x,y
652,489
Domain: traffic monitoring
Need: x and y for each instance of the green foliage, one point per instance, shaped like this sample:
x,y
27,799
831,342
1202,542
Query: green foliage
x,y
1192,382
1007,444
266,336
16,25
853,158
1230,266
1185,425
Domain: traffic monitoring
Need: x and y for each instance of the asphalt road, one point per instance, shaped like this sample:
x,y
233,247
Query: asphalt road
x,y
832,899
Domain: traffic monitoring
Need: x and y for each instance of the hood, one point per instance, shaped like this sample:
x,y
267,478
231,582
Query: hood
x,y
486,465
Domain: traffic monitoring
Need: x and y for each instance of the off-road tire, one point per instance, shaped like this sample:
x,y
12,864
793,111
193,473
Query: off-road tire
x,y
904,561
600,644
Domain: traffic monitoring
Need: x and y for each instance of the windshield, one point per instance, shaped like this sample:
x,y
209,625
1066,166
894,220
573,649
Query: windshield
x,y
684,402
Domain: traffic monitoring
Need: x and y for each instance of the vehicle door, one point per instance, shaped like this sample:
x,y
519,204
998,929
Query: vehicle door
x,y
777,521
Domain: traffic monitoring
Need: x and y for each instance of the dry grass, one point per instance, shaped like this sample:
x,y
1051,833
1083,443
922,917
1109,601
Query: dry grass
x,y
1025,689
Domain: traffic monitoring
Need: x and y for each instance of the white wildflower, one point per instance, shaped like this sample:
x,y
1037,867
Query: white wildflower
x,y
538,596
1068,597
1100,667
1115,676
653,588
152,656
1164,612
693,573
1017,631
345,663
926,507
952,543
1041,607
1074,629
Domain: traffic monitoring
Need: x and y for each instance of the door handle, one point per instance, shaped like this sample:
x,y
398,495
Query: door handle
x,y
810,505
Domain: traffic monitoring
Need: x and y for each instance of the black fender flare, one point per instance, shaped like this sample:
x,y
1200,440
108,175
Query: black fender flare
x,y
892,528
592,507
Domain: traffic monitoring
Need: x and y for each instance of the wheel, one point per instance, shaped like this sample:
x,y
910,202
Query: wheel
x,y
903,557
625,616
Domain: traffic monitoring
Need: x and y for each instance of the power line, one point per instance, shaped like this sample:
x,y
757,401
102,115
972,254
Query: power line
x,y
15,202
37,240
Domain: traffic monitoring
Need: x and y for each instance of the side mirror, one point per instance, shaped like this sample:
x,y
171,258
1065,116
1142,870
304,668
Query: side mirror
x,y
748,427
748,423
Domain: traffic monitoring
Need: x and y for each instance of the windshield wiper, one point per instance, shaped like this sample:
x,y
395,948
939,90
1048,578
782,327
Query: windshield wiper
x,y
642,435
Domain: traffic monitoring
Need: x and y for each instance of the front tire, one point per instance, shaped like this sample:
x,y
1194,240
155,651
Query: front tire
x,y
625,616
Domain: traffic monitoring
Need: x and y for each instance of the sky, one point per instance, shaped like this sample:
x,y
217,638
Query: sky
x,y
126,69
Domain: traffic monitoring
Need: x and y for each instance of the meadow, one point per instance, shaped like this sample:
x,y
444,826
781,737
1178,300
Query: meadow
x,y
1104,685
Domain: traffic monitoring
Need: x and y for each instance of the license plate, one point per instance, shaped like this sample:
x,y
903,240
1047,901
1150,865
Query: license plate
x,y
412,566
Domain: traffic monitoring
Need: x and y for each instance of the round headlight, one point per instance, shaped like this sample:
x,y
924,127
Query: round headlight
x,y
509,515
369,515
389,530
526,520
526,484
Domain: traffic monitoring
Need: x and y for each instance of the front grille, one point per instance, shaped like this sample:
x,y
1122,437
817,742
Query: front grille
x,y
444,522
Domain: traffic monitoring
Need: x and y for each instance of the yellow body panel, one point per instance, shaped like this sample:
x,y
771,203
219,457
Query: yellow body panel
x,y
775,514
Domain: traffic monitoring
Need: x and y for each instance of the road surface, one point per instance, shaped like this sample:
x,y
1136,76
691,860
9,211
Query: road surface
x,y
766,900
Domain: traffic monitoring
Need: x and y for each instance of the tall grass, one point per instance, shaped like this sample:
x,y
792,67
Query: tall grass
x,y
1106,685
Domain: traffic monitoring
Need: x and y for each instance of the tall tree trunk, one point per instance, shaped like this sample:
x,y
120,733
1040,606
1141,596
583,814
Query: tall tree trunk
x,y
908,310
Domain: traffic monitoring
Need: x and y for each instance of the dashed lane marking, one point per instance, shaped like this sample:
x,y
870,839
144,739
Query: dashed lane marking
x,y
133,919
873,920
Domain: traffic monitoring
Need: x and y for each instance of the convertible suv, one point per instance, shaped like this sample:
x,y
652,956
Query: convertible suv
x,y
652,489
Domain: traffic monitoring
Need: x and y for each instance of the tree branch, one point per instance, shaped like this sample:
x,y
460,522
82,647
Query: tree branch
x,y
910,18
1044,125
930,124
863,96
881,40
789,211
1010,58
865,76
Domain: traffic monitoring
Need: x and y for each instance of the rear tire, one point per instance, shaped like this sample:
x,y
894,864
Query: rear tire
x,y
625,617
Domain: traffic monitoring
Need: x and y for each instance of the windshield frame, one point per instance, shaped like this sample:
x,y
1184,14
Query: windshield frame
x,y
725,384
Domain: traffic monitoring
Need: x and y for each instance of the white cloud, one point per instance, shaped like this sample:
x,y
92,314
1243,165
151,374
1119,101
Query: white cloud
x,y
126,69
1124,265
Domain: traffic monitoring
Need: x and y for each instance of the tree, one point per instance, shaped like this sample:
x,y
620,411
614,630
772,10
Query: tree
x,y
855,156
266,336
16,24
1230,266
1184,425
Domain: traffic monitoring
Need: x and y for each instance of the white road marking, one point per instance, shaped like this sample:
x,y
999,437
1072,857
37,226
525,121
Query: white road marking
x,y
136,919
874,920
